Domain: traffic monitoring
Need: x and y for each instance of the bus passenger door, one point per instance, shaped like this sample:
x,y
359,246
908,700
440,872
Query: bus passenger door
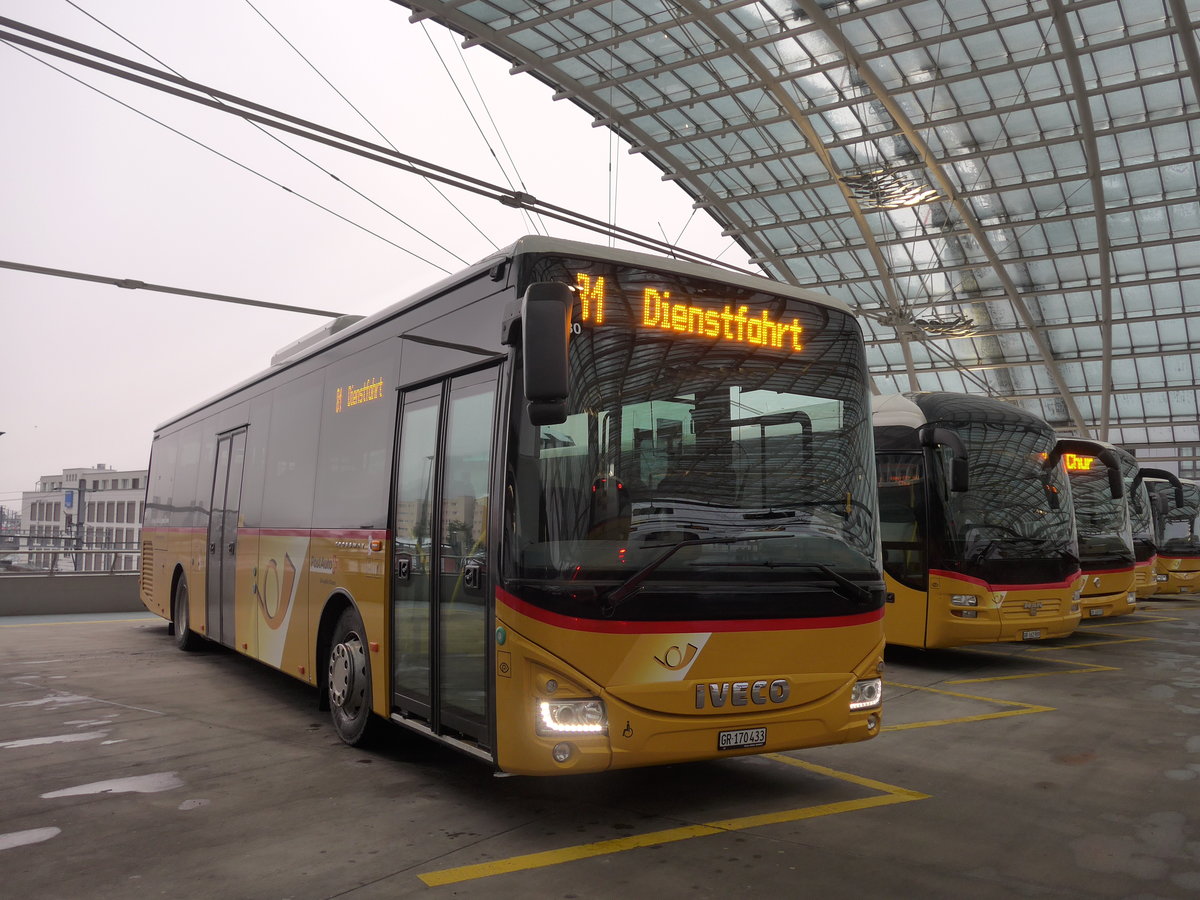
x,y
441,610
222,536
902,514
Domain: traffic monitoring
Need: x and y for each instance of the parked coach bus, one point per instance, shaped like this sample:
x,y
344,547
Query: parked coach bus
x,y
978,533
572,509
1178,543
1141,514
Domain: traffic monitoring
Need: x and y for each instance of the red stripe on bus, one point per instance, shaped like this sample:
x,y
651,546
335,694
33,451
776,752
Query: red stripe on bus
x,y
1040,586
1123,570
606,626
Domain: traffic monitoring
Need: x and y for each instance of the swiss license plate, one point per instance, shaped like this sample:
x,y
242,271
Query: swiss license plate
x,y
740,740
1035,635
1096,611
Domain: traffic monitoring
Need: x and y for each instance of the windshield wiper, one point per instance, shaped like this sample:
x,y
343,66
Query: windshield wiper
x,y
627,588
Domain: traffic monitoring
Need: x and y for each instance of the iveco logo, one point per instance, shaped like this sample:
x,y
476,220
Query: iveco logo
x,y
1033,606
742,693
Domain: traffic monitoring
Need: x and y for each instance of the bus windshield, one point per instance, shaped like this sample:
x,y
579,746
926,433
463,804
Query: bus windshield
x,y
1015,508
1177,526
1103,522
752,460
1141,512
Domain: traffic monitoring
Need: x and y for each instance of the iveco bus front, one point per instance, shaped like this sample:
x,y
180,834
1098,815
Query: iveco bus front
x,y
1099,473
975,511
690,564
1178,542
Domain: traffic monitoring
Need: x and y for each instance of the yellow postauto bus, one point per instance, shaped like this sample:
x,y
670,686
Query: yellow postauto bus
x,y
1178,543
1102,521
572,509
1141,515
976,519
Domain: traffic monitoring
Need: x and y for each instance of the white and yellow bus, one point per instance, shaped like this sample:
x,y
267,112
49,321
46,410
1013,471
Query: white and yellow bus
x,y
1100,473
1175,533
1141,514
573,509
976,519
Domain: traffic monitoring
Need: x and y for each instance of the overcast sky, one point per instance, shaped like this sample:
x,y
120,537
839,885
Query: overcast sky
x,y
96,187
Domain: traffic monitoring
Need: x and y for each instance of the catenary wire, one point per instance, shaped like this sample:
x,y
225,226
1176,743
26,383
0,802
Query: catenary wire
x,y
133,284
382,137
181,87
286,145
235,162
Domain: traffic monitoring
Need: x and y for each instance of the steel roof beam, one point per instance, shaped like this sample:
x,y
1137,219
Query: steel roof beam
x,y
826,283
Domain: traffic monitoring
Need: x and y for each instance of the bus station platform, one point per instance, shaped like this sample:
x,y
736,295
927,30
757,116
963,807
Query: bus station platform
x,y
1059,769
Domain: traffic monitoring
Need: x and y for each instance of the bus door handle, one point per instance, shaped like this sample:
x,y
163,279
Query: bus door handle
x,y
212,548
473,576
232,544
403,567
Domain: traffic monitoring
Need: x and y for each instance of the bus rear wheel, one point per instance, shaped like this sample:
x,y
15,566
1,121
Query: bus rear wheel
x,y
185,638
349,681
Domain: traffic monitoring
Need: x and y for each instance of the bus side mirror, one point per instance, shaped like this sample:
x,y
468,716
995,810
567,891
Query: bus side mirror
x,y
1169,477
945,437
545,337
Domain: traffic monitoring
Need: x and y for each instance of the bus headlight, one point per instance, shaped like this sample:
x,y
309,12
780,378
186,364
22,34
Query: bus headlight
x,y
1132,597
586,716
866,694
964,600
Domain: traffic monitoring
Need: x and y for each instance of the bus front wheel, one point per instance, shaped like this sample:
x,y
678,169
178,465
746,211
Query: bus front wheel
x,y
349,681
185,638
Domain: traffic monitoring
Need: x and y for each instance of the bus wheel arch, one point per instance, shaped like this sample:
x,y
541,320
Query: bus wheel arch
x,y
185,638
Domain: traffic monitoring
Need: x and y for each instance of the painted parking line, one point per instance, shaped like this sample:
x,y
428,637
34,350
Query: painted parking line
x,y
1078,668
888,796
1125,620
1016,708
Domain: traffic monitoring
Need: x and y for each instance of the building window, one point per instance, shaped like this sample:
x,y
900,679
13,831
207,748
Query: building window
x,y
137,483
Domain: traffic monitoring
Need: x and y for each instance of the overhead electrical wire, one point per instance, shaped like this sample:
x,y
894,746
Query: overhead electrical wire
x,y
133,284
470,112
382,137
63,48
241,165
279,141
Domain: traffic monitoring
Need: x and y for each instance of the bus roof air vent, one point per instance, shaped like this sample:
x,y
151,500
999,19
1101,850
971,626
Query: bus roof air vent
x,y
290,351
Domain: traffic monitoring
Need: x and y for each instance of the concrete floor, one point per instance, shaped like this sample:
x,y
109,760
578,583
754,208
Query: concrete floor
x,y
1071,769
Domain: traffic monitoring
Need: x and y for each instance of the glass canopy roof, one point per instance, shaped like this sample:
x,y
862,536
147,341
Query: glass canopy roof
x,y
1006,190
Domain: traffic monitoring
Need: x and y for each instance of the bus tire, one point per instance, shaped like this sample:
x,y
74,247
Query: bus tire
x,y
185,638
349,680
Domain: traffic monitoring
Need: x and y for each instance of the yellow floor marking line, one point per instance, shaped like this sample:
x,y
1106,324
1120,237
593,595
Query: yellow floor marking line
x,y
1090,644
889,796
1140,620
1088,667
1020,709
83,622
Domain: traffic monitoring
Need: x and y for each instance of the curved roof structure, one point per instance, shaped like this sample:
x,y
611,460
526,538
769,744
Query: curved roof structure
x,y
1006,190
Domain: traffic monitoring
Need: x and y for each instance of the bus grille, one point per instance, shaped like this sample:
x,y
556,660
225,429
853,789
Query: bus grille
x,y
1050,606
147,568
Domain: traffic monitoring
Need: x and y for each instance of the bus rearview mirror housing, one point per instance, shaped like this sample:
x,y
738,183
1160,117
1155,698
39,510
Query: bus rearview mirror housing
x,y
946,437
545,338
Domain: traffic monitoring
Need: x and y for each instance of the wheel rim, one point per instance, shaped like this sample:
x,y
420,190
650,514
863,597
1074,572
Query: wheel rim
x,y
181,610
348,676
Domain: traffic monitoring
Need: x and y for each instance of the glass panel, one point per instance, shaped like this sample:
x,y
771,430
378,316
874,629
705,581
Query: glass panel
x,y
412,553
462,613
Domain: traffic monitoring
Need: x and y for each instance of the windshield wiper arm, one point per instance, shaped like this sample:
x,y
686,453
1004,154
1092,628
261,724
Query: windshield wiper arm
x,y
853,591
627,588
